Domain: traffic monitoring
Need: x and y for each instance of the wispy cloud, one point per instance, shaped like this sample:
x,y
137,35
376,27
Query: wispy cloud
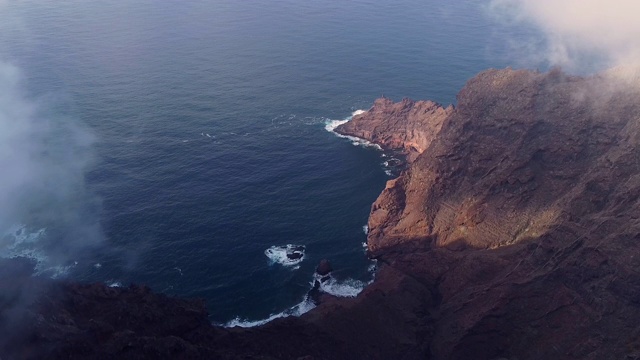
x,y
44,156
579,35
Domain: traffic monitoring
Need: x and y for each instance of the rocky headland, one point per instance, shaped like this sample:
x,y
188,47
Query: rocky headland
x,y
514,233
407,126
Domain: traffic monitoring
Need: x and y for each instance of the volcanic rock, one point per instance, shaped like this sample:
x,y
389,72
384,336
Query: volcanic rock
x,y
324,268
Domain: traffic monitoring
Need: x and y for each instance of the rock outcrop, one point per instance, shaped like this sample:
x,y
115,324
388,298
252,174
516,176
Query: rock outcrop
x,y
408,126
513,234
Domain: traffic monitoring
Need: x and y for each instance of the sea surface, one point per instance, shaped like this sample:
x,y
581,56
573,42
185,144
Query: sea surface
x,y
200,133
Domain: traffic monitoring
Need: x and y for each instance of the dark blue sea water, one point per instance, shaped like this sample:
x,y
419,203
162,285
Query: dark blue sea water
x,y
203,123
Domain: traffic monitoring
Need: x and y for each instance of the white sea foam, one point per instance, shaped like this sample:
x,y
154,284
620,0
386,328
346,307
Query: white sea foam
x,y
392,165
297,310
113,283
287,255
331,125
372,268
61,271
348,287
332,286
18,235
365,229
20,241
345,288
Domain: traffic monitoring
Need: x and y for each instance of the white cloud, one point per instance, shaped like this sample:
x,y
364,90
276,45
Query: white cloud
x,y
43,159
580,34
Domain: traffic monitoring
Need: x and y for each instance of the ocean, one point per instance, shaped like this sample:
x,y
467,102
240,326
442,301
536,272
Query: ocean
x,y
189,138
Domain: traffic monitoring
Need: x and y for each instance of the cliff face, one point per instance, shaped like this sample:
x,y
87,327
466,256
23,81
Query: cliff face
x,y
522,154
514,233
521,217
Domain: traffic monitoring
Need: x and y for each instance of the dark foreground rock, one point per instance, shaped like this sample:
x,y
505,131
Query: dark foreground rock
x,y
94,321
514,233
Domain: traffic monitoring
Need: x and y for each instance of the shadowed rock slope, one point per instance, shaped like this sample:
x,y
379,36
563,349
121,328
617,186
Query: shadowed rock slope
x,y
514,233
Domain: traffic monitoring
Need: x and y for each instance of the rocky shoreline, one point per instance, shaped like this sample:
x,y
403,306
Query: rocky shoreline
x,y
514,233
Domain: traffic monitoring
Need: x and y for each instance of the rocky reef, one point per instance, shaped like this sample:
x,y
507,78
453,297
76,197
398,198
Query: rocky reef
x,y
514,233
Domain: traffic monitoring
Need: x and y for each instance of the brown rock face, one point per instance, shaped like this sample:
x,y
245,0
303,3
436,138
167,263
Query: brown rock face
x,y
522,153
522,217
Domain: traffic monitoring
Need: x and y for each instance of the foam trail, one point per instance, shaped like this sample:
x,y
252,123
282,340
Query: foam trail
x,y
113,283
20,241
331,125
297,310
345,288
373,267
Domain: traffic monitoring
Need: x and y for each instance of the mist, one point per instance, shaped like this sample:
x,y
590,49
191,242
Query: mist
x,y
580,36
46,211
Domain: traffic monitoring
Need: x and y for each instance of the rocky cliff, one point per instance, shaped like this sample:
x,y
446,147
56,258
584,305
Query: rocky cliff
x,y
514,233
522,216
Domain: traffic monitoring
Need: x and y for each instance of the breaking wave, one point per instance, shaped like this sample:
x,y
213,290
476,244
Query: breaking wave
x,y
392,165
287,255
332,286
345,288
113,283
331,125
297,310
